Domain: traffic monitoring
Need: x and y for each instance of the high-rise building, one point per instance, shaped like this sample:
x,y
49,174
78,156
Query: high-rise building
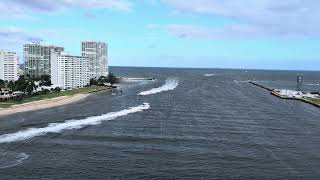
x,y
97,52
37,58
69,72
8,66
20,69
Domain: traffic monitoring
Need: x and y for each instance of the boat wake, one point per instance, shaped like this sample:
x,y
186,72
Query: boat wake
x,y
244,81
70,124
170,85
10,159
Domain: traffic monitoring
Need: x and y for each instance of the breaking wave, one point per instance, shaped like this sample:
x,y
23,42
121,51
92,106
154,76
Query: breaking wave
x,y
311,84
170,85
70,124
209,75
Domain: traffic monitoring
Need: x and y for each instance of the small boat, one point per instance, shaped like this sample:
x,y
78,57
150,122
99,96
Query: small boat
x,y
146,105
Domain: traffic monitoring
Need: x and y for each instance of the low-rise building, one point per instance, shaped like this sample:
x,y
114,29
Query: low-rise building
x,y
68,71
8,66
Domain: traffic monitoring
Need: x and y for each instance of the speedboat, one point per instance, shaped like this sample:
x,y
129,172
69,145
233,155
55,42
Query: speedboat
x,y
145,105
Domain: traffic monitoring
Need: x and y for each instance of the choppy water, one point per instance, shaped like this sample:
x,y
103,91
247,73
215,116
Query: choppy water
x,y
201,124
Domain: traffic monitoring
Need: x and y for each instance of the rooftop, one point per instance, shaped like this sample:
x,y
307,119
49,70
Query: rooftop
x,y
40,44
68,54
9,52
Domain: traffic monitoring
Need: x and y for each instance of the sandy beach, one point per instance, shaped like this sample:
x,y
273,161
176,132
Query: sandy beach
x,y
43,104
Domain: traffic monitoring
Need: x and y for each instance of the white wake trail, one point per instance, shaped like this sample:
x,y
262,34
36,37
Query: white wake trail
x,y
71,124
15,161
170,85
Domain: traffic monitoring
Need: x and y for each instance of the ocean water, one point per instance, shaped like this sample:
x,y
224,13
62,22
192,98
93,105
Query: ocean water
x,y
188,124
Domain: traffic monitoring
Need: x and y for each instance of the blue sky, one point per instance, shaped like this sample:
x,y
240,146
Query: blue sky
x,y
264,34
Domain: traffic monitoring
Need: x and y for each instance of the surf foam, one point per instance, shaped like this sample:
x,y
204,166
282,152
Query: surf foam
x,y
170,85
209,75
70,124
313,84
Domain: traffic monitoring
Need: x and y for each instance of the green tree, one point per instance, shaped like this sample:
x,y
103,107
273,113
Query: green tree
x,y
102,80
2,83
21,84
93,82
11,85
57,89
45,91
30,87
112,79
45,80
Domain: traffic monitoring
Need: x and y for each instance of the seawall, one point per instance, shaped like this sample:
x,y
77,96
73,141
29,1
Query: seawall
x,y
274,93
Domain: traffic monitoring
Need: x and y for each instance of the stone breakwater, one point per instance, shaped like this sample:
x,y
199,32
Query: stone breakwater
x,y
291,95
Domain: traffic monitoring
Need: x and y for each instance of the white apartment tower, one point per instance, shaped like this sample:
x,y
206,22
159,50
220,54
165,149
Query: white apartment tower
x,y
8,66
69,72
37,58
97,52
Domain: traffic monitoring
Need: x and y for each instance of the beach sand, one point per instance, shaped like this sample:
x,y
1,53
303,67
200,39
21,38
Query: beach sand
x,y
43,104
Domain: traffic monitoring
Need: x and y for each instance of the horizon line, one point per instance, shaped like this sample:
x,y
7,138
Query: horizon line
x,y
222,68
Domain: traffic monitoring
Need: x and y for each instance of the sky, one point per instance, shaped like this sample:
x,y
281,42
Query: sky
x,y
248,34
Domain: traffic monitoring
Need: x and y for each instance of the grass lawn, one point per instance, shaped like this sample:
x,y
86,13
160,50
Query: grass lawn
x,y
314,100
51,95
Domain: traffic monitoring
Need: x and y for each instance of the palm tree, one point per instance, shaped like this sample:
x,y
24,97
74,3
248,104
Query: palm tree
x,y
30,87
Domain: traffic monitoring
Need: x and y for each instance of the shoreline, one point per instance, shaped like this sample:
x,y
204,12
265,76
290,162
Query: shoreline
x,y
48,103
42,104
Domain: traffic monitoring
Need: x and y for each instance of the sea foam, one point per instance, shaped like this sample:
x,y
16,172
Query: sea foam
x,y
67,125
311,84
170,85
209,75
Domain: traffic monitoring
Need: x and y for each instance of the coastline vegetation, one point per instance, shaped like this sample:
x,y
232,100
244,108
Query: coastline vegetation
x,y
110,79
314,100
27,87
54,94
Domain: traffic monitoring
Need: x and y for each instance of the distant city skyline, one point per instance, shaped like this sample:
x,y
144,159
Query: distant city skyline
x,y
248,34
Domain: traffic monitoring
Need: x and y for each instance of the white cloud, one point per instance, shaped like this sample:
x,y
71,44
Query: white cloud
x,y
18,36
234,31
153,26
285,17
22,8
12,38
14,35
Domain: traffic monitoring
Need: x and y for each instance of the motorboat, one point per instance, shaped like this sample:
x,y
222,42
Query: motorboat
x,y
145,105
